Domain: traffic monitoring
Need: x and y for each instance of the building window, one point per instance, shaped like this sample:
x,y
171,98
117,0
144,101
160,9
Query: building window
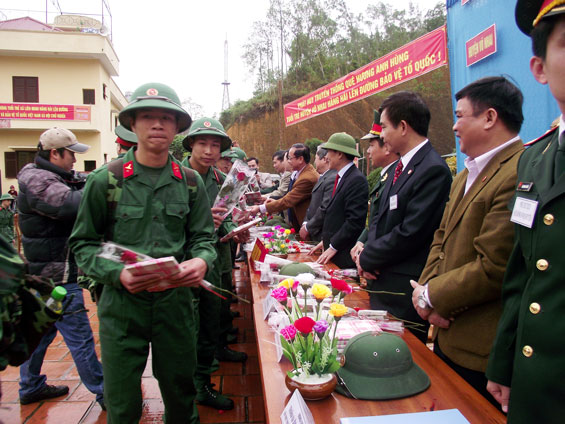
x,y
15,161
104,95
25,89
88,96
89,165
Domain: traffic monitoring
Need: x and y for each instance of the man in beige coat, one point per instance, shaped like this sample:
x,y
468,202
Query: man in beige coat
x,y
459,291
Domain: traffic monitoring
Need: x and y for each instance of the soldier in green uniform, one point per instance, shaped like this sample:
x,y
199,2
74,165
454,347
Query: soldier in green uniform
x,y
6,217
152,205
205,141
526,368
125,140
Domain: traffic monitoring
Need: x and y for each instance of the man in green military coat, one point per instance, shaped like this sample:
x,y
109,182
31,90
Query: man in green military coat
x,y
526,368
6,217
205,141
151,205
125,140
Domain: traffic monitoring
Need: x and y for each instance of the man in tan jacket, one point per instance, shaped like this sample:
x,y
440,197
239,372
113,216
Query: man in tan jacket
x,y
459,290
302,181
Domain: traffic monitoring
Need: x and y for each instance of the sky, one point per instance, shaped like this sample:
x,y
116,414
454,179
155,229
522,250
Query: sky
x,y
177,42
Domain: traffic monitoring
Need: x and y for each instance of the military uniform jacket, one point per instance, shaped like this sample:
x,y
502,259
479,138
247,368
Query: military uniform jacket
x,y
321,196
7,223
468,258
170,218
529,350
374,197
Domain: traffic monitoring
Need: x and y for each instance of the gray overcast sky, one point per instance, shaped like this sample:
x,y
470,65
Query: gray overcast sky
x,y
179,43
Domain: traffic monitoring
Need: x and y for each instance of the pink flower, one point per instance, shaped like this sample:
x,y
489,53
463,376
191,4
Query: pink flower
x,y
241,176
320,327
128,257
280,294
289,333
341,286
304,325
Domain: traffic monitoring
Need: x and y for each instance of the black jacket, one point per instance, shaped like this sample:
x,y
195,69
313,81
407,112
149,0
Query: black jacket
x,y
48,203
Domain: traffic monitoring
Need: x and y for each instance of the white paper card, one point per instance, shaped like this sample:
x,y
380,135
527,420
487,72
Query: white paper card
x,y
393,202
448,416
524,212
268,305
296,411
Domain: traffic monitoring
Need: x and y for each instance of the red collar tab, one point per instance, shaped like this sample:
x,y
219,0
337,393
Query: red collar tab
x,y
128,169
176,170
549,131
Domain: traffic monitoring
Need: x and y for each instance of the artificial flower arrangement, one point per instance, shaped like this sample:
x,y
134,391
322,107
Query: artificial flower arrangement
x,y
279,240
310,343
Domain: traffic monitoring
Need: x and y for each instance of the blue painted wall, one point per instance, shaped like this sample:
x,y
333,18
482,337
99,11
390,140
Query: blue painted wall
x,y
512,59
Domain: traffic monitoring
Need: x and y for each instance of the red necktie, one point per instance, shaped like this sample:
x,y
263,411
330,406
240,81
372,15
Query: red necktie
x,y
397,171
335,184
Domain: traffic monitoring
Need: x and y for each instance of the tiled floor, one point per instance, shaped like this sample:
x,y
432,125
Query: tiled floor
x,y
241,382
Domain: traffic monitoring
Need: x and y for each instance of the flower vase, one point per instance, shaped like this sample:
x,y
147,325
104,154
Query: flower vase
x,y
312,387
280,255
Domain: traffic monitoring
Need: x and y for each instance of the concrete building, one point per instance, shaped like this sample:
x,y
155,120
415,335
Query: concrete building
x,y
56,75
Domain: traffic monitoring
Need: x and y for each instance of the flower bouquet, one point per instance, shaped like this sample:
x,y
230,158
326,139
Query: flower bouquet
x,y
309,342
234,186
278,240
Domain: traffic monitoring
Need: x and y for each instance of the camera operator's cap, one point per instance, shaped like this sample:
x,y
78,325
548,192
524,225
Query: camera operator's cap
x,y
376,128
207,126
159,96
379,366
530,12
342,142
55,138
125,137
6,196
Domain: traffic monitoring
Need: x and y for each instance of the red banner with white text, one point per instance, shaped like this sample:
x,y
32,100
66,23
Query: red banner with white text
x,y
416,58
44,112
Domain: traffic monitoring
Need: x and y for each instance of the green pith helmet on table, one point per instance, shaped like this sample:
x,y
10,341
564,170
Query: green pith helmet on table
x,y
342,142
155,95
376,129
296,268
207,126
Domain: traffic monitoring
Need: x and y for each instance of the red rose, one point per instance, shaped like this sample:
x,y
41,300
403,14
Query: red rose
x,y
304,325
287,241
241,176
341,285
128,257
292,231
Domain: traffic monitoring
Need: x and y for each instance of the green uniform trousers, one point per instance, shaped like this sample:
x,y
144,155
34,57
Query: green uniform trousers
x,y
129,325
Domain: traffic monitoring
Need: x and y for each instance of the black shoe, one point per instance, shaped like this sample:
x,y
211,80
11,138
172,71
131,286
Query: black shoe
x,y
231,339
46,392
235,314
228,355
210,397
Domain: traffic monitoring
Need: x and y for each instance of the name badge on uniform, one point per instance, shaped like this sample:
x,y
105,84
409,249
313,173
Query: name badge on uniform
x,y
524,212
393,204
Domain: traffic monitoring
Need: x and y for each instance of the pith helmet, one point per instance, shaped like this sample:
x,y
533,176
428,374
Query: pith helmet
x,y
240,153
207,126
229,154
342,142
376,129
126,136
6,196
155,95
379,367
530,12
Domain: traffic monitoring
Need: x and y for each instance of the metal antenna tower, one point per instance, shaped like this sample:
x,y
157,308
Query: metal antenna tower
x,y
226,98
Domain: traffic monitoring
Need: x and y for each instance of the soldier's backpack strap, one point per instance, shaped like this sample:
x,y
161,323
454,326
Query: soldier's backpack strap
x,y
113,193
190,179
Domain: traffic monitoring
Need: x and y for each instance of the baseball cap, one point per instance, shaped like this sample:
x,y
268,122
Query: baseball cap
x,y
55,138
379,366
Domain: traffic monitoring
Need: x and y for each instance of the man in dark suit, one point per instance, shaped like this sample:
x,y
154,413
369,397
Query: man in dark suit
x,y
526,367
344,216
303,179
321,195
410,210
462,279
381,157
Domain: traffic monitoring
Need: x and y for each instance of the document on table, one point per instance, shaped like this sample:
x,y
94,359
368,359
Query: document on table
x,y
448,416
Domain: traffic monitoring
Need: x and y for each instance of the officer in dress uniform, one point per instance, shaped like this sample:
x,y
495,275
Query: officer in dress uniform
x,y
526,368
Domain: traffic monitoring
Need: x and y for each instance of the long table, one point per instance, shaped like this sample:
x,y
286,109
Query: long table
x,y
447,390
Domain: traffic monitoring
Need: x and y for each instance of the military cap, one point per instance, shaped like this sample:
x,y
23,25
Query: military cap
x,y
530,12
6,196
376,128
207,126
341,142
125,137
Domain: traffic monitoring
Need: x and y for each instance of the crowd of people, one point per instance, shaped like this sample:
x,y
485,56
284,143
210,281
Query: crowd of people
x,y
477,256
